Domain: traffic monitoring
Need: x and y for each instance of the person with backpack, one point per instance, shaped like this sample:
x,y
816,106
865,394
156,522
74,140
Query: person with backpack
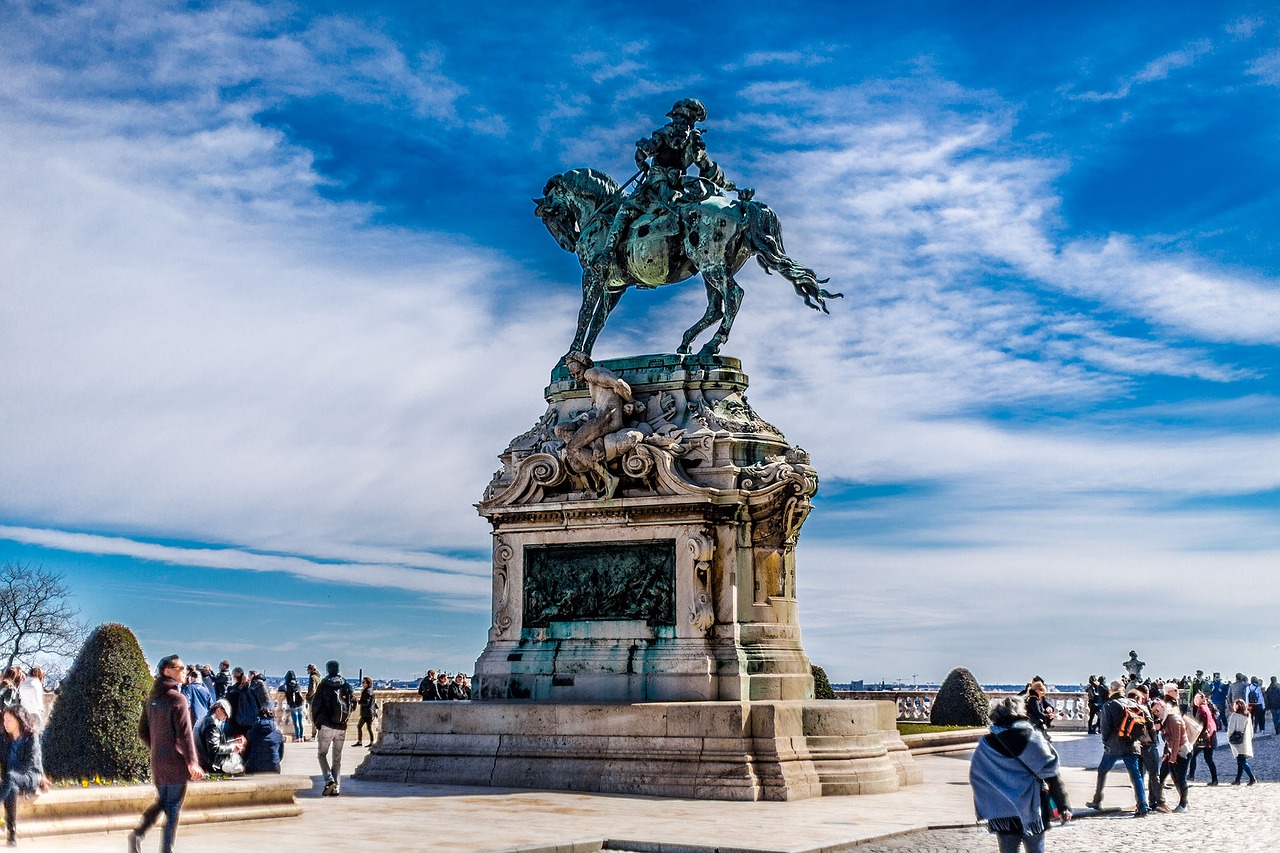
x,y
245,703
330,710
1010,768
291,690
1121,723
1150,741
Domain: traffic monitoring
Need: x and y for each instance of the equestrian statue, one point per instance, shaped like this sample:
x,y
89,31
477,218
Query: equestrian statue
x,y
671,227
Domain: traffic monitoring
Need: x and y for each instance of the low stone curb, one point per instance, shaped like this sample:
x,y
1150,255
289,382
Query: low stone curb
x,y
65,811
934,742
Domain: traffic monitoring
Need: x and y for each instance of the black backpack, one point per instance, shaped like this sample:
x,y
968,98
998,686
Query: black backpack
x,y
247,706
334,704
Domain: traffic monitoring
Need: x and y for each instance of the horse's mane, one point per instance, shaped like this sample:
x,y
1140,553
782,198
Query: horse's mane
x,y
585,182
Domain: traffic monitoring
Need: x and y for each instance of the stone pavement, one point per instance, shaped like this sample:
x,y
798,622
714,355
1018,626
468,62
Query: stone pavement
x,y
389,817
1224,819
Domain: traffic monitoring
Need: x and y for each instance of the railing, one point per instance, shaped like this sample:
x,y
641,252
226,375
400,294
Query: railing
x,y
914,706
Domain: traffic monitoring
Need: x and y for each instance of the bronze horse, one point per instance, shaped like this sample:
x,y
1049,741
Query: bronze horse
x,y
704,232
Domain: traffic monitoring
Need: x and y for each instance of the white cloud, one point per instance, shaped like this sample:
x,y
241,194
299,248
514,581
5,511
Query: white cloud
x,y
1157,69
351,574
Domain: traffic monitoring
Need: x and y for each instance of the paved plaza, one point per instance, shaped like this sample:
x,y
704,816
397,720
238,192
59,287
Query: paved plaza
x,y
389,817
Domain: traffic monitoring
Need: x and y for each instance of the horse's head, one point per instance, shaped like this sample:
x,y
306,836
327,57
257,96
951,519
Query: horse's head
x,y
570,198
558,215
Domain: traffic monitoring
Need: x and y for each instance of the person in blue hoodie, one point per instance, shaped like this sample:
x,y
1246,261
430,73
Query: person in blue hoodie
x,y
198,695
266,746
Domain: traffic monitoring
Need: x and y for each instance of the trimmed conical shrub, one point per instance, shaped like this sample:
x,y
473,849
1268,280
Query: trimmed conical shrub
x,y
821,684
960,701
93,730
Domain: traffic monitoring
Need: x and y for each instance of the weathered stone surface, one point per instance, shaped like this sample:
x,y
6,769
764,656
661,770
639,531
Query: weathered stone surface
x,y
720,750
676,583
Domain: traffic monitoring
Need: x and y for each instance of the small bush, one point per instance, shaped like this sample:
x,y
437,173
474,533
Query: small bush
x,y
821,684
93,731
960,701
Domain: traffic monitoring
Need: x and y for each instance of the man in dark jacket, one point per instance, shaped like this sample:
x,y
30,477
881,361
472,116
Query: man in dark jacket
x,y
313,684
165,728
329,712
1118,747
427,687
222,680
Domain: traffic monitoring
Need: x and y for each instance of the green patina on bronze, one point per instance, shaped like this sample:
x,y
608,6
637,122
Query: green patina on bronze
x,y
599,581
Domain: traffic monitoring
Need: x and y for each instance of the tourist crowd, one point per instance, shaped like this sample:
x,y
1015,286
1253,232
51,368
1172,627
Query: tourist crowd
x,y
438,685
1158,729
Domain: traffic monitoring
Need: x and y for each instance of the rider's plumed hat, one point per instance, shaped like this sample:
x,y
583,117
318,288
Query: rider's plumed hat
x,y
690,107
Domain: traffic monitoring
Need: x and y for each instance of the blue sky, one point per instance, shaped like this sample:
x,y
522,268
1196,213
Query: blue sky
x,y
274,299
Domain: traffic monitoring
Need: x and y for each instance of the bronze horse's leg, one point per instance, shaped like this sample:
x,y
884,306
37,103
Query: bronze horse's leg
x,y
732,302
608,301
590,322
715,310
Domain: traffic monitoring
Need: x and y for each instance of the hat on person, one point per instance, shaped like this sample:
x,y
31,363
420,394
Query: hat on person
x,y
224,705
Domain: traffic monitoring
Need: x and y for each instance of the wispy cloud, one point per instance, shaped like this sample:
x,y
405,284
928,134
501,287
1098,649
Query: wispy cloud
x,y
1157,69
349,574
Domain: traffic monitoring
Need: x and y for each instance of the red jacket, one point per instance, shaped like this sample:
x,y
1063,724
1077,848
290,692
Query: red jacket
x,y
165,728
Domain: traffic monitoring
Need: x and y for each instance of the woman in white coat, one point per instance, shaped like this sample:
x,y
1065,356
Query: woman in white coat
x,y
1240,738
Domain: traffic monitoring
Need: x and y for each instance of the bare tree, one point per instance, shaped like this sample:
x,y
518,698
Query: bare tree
x,y
36,617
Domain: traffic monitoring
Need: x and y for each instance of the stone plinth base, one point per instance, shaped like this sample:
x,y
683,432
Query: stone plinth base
x,y
786,750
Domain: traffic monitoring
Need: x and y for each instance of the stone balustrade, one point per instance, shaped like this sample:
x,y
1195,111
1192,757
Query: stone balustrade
x,y
914,706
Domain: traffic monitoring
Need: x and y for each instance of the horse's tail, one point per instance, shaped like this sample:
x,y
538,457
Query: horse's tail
x,y
762,235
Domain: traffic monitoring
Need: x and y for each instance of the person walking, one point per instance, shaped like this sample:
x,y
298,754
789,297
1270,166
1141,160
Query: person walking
x,y
1208,739
313,684
1257,705
1173,761
1240,738
329,713
368,707
291,690
23,767
1007,771
165,728
1272,698
1120,722
1218,696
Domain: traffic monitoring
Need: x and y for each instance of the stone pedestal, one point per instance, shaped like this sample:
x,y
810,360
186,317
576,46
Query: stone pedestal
x,y
645,635
699,750
679,586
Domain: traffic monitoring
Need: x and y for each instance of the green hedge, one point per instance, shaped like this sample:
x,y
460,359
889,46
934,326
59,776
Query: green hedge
x,y
960,701
93,731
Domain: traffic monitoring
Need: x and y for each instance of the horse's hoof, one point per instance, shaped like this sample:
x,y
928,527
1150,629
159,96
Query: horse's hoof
x,y
683,350
709,350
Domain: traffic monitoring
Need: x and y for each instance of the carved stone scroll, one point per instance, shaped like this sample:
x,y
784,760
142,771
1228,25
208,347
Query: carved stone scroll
x,y
702,613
